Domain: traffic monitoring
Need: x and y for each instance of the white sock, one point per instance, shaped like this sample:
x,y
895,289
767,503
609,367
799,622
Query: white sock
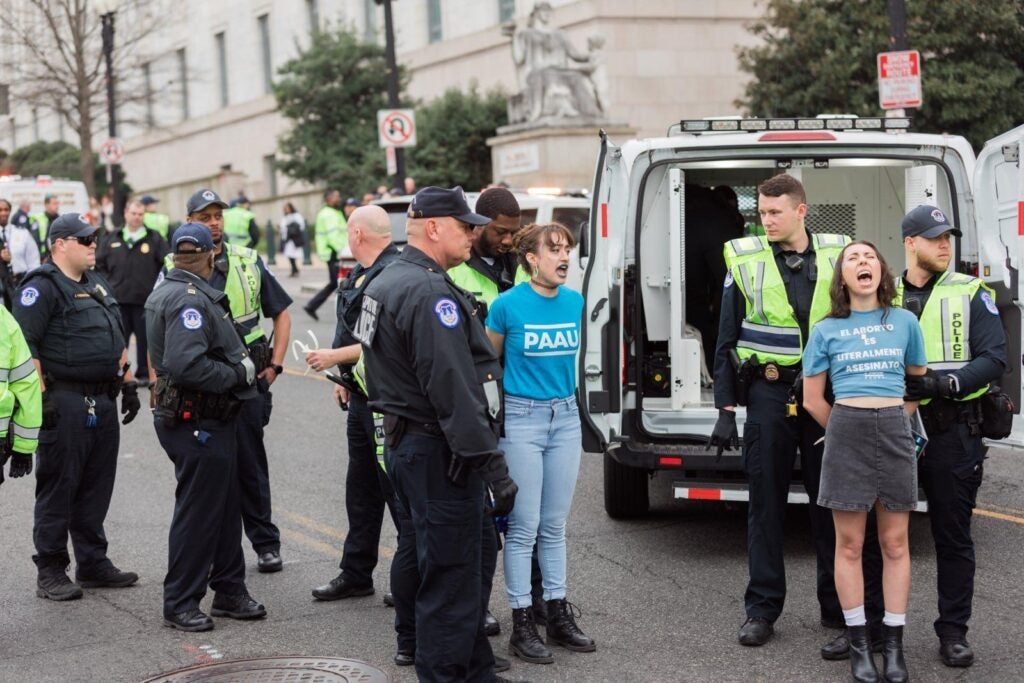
x,y
891,619
855,616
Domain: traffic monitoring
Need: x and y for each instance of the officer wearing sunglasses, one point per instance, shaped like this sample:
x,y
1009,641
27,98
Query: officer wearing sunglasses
x,y
72,325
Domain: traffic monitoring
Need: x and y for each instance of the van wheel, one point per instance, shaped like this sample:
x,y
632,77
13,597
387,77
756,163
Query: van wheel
x,y
625,490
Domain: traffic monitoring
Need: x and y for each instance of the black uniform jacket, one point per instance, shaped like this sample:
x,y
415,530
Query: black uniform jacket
x,y
428,358
131,268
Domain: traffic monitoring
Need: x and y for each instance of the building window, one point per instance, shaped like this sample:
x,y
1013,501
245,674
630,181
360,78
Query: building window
x,y
313,12
370,11
270,174
434,20
183,80
147,83
506,10
222,68
268,68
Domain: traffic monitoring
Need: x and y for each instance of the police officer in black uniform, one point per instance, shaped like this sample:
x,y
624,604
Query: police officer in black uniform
x,y
232,263
204,374
72,324
367,488
434,375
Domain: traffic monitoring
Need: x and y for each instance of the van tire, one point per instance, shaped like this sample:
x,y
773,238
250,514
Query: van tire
x,y
625,490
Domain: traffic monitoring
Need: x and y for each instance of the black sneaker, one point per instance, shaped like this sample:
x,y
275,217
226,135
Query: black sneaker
x,y
108,577
54,584
237,607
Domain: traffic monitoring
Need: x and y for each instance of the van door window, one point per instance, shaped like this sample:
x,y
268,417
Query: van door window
x,y
528,216
572,218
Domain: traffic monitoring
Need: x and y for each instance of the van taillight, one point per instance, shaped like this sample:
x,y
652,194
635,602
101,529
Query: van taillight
x,y
669,461
796,136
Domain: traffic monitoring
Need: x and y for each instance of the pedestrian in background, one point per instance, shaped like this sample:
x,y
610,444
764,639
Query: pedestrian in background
x,y
293,236
331,239
131,260
153,219
240,226
536,327
20,252
869,460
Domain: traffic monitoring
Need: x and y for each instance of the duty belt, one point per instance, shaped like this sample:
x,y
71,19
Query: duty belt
x,y
396,427
191,404
773,373
110,387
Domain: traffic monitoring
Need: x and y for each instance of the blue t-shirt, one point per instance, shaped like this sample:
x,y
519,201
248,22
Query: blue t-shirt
x,y
542,336
863,355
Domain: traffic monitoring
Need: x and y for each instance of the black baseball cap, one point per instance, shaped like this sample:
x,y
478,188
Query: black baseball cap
x,y
437,202
196,234
148,199
927,221
202,199
70,225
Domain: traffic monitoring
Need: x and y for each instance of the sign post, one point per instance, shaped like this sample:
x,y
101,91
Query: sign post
x,y
899,79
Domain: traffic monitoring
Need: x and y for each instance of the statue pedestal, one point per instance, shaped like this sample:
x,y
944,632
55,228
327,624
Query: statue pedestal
x,y
558,153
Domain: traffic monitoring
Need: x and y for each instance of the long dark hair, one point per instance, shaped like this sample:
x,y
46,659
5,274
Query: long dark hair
x,y
841,298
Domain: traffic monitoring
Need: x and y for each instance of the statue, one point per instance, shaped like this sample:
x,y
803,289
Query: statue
x,y
555,80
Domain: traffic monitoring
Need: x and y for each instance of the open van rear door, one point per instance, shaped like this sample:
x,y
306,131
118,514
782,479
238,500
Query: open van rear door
x,y
999,216
600,358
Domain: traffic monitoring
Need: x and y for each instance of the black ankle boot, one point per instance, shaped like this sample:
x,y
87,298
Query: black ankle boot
x,y
525,643
562,628
892,655
861,664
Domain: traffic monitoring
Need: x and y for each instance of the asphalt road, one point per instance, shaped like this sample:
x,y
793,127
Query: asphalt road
x,y
662,596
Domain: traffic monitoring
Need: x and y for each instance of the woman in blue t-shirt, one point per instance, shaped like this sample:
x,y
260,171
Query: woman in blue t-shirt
x,y
536,325
867,346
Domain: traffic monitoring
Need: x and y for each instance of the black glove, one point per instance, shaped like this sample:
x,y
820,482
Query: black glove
x,y
724,435
494,471
21,464
930,385
130,404
50,414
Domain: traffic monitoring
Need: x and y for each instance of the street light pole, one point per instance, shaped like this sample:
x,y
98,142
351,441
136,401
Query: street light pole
x,y
393,102
113,170
898,25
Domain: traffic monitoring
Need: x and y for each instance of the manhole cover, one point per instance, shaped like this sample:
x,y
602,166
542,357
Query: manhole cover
x,y
278,670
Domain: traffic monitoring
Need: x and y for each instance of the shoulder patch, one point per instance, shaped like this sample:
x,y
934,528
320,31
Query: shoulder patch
x,y
989,303
29,296
728,280
447,311
191,319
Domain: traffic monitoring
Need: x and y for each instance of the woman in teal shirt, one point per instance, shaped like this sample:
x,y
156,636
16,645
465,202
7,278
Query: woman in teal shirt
x,y
536,325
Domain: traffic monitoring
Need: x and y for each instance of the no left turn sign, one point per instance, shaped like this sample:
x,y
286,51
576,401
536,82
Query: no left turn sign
x,y
112,150
396,127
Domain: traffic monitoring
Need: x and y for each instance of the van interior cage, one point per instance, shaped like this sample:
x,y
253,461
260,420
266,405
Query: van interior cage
x,y
823,122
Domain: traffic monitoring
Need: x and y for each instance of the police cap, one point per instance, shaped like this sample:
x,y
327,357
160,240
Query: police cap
x,y
148,199
437,202
202,199
927,221
70,225
194,234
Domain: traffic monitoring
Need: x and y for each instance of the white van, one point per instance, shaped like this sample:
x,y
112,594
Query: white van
x,y
642,401
71,193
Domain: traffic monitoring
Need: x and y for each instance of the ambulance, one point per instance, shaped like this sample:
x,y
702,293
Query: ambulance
x,y
645,403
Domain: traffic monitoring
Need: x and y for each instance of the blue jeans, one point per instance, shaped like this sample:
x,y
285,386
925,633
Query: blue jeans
x,y
542,445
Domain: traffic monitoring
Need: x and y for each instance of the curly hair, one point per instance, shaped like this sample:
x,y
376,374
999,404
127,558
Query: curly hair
x,y
528,240
840,298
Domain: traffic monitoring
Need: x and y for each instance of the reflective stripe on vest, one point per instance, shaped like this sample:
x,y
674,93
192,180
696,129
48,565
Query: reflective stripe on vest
x,y
770,328
946,324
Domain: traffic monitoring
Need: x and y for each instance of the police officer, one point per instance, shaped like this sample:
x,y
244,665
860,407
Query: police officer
x,y
963,360
776,288
21,407
39,223
160,223
435,377
251,290
204,374
73,328
240,227
367,488
331,239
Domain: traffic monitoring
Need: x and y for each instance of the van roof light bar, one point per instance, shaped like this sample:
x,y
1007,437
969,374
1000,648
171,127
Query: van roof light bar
x,y
756,125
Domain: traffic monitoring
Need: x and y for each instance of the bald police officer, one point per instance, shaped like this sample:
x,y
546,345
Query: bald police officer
x,y
204,375
435,377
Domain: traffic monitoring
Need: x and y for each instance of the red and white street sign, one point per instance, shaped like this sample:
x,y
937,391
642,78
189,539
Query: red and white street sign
x,y
112,150
396,127
899,79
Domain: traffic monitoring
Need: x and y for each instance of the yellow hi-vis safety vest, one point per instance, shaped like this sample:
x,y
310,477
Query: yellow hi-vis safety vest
x,y
770,328
359,373
159,222
236,225
946,324
242,289
479,285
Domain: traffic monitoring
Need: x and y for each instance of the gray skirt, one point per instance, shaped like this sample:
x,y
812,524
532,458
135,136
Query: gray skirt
x,y
869,456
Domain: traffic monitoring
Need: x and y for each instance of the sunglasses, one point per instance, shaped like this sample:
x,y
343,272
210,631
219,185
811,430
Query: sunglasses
x,y
86,241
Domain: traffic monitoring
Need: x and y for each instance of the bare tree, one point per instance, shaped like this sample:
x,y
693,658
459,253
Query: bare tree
x,y
56,58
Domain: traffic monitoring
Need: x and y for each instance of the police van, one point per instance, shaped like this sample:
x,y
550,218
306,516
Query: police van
x,y
644,401
72,193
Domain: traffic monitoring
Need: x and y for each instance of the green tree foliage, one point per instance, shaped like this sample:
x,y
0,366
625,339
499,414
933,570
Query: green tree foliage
x,y
818,56
331,92
452,138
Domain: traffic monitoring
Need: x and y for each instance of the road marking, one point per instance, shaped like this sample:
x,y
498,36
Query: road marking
x,y
998,515
300,373
311,523
326,530
309,542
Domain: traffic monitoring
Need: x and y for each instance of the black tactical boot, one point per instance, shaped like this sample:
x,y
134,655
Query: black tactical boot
x,y
540,611
525,643
53,583
562,628
861,663
892,654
